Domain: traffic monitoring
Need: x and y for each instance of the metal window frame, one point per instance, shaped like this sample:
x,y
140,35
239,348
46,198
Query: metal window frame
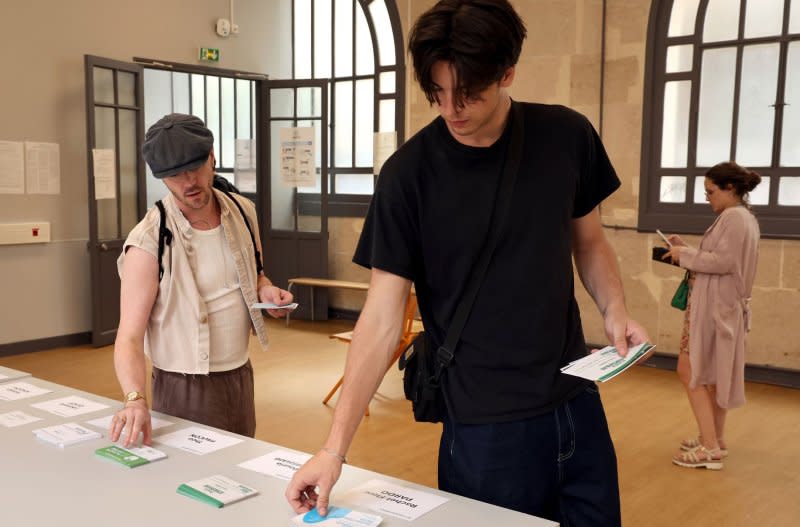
x,y
776,221
218,73
92,62
341,204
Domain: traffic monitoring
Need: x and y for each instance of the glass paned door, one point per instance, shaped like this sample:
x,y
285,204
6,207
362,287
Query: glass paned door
x,y
294,128
114,128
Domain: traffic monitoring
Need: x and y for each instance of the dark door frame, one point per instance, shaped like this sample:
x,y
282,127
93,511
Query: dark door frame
x,y
101,250
294,239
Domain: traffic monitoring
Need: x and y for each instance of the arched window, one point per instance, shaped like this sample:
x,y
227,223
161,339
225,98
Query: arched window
x,y
358,45
722,82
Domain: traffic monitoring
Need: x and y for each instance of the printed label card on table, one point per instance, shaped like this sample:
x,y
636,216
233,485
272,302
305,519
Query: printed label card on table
x,y
216,491
14,391
338,517
17,418
70,406
198,440
280,464
104,423
9,374
401,502
66,434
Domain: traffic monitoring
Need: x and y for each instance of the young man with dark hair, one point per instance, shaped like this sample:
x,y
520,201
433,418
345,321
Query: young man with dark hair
x,y
518,433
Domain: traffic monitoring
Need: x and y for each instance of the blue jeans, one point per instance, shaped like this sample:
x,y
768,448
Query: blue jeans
x,y
559,465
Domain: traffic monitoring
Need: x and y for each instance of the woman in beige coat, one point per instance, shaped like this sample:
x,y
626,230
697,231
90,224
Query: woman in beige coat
x,y
721,271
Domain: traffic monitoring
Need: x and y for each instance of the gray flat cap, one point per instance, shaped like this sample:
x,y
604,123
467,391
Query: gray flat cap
x,y
177,142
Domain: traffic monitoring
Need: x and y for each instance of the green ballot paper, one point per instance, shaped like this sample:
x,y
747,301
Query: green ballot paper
x,y
216,491
130,457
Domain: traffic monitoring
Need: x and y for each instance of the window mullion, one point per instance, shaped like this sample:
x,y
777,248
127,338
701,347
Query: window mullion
x,y
332,162
294,41
313,38
736,95
356,6
780,97
694,110
219,119
694,102
738,76
779,105
191,92
331,146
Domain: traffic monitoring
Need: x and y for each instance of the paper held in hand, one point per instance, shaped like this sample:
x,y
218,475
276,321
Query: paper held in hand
x,y
269,305
606,364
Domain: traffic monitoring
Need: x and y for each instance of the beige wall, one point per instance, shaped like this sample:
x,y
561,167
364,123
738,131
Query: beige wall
x,y
561,64
45,288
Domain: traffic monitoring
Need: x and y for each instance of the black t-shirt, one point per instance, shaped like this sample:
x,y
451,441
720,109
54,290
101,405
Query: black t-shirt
x,y
427,222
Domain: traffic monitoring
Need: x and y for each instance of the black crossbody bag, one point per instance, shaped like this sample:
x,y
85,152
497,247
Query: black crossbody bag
x,y
422,363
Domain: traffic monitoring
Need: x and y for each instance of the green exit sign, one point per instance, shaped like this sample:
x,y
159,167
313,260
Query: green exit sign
x,y
211,54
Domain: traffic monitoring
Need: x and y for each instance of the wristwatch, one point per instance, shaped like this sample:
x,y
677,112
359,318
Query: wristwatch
x,y
133,396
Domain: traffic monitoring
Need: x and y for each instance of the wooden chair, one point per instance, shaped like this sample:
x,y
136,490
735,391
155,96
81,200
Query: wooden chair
x,y
411,328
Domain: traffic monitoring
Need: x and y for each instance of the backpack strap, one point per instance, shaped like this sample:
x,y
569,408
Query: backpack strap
x,y
259,266
164,237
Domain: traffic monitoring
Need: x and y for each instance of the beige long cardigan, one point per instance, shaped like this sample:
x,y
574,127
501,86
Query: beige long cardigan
x,y
725,267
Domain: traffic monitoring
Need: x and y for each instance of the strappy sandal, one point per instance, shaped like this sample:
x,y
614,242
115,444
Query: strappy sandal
x,y
691,443
700,457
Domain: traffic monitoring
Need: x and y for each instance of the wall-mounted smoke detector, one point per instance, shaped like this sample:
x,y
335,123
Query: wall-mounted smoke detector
x,y
223,27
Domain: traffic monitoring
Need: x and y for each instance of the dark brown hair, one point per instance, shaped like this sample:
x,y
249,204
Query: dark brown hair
x,y
741,179
481,39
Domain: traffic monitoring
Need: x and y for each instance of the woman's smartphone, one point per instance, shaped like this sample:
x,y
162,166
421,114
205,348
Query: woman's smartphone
x,y
664,238
658,255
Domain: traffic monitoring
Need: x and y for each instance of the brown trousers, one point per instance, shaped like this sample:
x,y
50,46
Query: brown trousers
x,y
220,399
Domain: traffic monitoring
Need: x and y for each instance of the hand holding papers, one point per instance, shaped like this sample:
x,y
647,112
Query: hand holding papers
x,y
606,364
269,305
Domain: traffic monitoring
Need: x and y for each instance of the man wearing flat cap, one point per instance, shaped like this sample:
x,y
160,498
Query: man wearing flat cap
x,y
188,308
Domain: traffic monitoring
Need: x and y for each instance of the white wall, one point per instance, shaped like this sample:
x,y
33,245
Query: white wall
x,y
45,289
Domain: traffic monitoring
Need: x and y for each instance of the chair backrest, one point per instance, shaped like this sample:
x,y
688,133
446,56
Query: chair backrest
x,y
411,311
410,330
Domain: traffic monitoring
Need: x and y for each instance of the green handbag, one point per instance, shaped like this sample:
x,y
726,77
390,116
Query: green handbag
x,y
681,296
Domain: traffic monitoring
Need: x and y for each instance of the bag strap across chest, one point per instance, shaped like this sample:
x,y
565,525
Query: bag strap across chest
x,y
165,235
445,353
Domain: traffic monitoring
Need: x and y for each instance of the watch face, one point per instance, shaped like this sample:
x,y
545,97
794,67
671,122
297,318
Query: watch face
x,y
132,396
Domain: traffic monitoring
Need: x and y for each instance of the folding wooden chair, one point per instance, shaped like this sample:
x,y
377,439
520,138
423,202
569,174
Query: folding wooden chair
x,y
411,328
